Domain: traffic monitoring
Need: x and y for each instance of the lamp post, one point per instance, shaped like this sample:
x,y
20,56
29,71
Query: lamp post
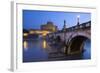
x,y
78,22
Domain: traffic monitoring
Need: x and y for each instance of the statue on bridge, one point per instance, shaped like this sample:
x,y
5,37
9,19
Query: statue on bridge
x,y
64,26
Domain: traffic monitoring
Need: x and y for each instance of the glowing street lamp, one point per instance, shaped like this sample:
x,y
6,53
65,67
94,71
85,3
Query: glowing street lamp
x,y
78,22
78,17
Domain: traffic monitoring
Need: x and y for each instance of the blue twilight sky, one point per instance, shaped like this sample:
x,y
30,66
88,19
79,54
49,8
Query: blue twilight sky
x,y
32,19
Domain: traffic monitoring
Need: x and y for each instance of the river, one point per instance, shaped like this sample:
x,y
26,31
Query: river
x,y
37,50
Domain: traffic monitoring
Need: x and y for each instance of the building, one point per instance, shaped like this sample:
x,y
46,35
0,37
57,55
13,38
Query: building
x,y
49,27
37,32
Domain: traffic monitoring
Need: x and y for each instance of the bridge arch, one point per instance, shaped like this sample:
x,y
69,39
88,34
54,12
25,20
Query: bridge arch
x,y
76,42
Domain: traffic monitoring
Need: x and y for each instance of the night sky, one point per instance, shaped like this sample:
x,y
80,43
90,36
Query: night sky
x,y
32,19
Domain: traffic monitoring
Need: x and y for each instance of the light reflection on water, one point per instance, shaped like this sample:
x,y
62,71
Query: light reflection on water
x,y
44,43
25,44
35,50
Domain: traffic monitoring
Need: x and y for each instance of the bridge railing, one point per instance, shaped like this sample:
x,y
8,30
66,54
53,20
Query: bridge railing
x,y
81,26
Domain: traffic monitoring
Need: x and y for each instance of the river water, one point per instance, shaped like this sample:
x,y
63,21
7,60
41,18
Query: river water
x,y
37,50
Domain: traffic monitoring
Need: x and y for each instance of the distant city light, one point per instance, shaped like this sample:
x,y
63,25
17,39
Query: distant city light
x,y
25,34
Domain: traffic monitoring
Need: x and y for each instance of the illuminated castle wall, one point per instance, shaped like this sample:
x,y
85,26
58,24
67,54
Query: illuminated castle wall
x,y
49,26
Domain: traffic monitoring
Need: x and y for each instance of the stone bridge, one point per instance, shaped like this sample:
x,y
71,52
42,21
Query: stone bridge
x,y
74,37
